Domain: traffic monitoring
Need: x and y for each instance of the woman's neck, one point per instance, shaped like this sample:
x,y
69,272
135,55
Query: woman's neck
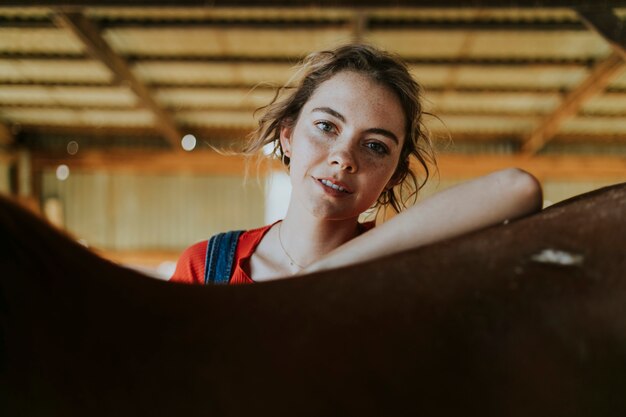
x,y
306,240
298,241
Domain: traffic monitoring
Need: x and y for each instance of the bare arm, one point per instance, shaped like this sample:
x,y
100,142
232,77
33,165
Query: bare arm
x,y
473,205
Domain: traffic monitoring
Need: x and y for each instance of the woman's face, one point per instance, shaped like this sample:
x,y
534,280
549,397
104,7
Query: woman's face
x,y
345,146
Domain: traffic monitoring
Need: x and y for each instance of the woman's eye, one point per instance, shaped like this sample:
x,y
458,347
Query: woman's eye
x,y
324,126
377,147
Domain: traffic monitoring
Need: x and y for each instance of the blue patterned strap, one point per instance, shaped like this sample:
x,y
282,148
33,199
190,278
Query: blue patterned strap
x,y
220,256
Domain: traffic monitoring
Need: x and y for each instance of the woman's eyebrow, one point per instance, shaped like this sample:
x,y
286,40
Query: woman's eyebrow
x,y
339,116
330,111
384,132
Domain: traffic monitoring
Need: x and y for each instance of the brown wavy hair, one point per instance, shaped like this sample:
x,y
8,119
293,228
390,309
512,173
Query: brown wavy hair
x,y
382,67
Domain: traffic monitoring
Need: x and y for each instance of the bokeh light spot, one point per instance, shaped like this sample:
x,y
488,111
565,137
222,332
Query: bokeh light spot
x,y
188,142
63,172
72,147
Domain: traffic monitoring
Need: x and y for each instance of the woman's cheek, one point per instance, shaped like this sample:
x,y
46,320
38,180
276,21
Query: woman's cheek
x,y
315,143
374,162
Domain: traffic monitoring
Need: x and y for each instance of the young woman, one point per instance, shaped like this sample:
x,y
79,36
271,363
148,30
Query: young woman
x,y
347,131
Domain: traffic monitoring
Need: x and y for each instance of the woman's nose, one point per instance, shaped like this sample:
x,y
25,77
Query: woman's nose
x,y
342,155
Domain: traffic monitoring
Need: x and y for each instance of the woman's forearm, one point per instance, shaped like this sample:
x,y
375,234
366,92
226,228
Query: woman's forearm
x,y
473,205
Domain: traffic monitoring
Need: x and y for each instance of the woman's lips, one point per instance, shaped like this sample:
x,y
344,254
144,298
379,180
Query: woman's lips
x,y
334,185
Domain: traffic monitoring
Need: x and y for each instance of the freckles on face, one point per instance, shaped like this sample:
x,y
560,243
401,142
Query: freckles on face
x,y
351,131
352,109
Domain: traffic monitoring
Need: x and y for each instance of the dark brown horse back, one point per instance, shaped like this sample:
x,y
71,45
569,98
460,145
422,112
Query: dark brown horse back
x,y
522,319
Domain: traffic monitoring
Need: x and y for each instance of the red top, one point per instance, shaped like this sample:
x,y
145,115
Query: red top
x,y
190,266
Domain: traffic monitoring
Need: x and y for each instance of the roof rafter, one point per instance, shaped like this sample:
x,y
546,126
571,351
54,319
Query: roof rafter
x,y
99,49
610,27
600,76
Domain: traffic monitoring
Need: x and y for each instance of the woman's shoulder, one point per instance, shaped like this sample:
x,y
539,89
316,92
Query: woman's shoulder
x,y
191,263
250,239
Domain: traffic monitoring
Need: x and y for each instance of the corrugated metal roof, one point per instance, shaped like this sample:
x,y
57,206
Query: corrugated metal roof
x,y
493,74
213,73
32,95
224,42
53,71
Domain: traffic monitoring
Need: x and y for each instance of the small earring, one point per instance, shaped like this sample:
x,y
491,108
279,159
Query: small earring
x,y
284,159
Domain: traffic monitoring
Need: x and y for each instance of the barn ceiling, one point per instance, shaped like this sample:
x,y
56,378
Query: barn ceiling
x,y
524,80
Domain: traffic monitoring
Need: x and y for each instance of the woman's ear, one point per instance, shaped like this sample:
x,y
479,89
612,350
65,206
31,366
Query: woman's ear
x,y
285,140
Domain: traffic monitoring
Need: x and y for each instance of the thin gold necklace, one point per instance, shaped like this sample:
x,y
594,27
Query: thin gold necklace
x,y
291,261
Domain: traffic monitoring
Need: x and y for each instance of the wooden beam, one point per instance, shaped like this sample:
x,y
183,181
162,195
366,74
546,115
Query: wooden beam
x,y
564,167
450,165
601,75
610,27
6,136
99,49
219,136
